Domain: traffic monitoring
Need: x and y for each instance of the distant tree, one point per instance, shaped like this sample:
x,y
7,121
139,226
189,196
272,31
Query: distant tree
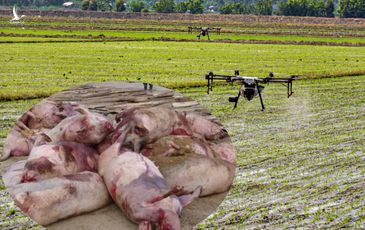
x,y
352,8
89,5
316,8
136,6
293,8
93,5
165,6
263,7
226,9
181,7
120,5
104,5
330,8
195,6
246,8
85,5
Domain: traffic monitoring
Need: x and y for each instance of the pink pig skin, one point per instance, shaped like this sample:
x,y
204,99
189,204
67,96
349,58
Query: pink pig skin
x,y
205,128
57,198
40,117
59,159
225,151
47,114
16,145
19,142
188,162
139,189
13,175
87,128
146,125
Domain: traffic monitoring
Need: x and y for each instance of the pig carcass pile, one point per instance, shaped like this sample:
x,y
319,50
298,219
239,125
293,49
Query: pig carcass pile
x,y
150,161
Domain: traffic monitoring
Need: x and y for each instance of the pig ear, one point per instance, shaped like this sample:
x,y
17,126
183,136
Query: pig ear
x,y
187,199
42,139
123,134
82,110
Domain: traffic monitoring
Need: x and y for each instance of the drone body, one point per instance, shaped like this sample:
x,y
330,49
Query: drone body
x,y
250,86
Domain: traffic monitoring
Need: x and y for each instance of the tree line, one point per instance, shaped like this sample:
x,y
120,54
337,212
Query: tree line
x,y
316,8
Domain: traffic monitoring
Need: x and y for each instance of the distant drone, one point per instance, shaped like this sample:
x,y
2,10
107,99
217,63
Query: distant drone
x,y
250,86
16,17
204,31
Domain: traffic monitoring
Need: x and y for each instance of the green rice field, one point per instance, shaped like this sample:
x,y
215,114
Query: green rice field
x,y
299,163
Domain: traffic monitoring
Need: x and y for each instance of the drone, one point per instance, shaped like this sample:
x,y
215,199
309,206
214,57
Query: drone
x,y
250,86
204,31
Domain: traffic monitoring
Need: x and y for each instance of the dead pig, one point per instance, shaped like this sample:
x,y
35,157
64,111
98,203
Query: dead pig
x,y
146,125
86,127
205,128
139,189
225,151
13,175
180,145
177,145
38,119
188,162
53,199
59,159
19,142
47,114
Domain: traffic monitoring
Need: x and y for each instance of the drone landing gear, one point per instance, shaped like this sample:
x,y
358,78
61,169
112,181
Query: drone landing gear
x,y
262,102
235,99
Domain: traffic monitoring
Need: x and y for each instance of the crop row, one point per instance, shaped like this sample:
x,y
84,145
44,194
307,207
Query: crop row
x,y
110,34
280,27
33,70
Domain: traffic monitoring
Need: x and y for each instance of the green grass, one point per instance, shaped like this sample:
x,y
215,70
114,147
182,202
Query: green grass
x,y
178,35
36,70
300,163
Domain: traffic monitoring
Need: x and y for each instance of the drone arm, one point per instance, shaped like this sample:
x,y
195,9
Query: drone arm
x,y
289,81
210,77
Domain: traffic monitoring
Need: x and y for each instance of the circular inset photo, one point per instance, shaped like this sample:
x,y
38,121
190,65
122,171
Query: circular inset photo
x,y
118,155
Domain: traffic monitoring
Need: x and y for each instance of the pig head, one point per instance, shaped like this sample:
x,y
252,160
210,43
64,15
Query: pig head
x,y
145,125
205,128
86,127
59,159
20,142
47,114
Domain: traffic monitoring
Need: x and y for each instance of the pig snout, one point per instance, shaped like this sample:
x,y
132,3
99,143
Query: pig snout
x,y
169,221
